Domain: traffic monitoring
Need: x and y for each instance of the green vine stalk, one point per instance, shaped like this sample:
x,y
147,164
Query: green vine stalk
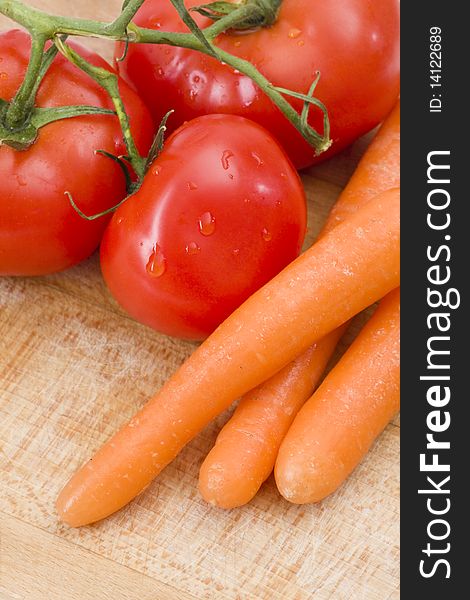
x,y
17,116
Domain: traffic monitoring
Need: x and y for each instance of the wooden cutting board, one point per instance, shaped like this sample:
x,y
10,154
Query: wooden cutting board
x,y
73,368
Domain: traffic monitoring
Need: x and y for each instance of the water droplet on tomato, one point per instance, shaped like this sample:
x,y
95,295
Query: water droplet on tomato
x,y
283,175
225,158
258,160
191,185
196,79
156,264
236,72
192,248
300,43
267,237
192,94
207,223
294,33
237,44
157,170
3,75
160,72
155,22
236,251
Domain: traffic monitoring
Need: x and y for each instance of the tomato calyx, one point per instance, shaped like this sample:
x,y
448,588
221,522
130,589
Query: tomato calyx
x,y
132,186
44,27
20,120
242,15
23,137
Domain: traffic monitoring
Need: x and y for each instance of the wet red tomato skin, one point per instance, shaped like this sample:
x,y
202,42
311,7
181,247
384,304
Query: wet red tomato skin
x,y
40,233
353,43
221,211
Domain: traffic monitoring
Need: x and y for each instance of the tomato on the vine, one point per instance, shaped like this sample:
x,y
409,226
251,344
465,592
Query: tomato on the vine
x,y
354,44
40,232
221,211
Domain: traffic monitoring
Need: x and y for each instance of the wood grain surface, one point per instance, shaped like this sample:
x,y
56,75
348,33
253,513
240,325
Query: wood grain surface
x,y
73,368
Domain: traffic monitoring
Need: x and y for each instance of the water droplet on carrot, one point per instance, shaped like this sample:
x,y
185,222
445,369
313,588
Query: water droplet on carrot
x,y
156,264
294,33
267,237
192,248
225,158
207,223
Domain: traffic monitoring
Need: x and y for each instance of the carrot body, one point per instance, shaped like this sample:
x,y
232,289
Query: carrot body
x,y
350,268
335,428
377,171
246,448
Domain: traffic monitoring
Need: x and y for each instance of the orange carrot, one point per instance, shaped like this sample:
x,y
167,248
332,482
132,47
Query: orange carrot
x,y
377,171
350,268
246,448
335,428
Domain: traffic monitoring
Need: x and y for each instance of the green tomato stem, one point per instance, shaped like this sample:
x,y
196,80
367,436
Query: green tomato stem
x,y
244,13
129,9
48,25
44,26
20,108
109,81
247,14
319,142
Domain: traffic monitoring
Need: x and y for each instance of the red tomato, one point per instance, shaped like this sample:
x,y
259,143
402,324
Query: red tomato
x,y
220,212
39,231
353,43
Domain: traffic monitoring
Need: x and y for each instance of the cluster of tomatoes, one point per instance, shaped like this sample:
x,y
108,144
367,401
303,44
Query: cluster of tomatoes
x,y
222,209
